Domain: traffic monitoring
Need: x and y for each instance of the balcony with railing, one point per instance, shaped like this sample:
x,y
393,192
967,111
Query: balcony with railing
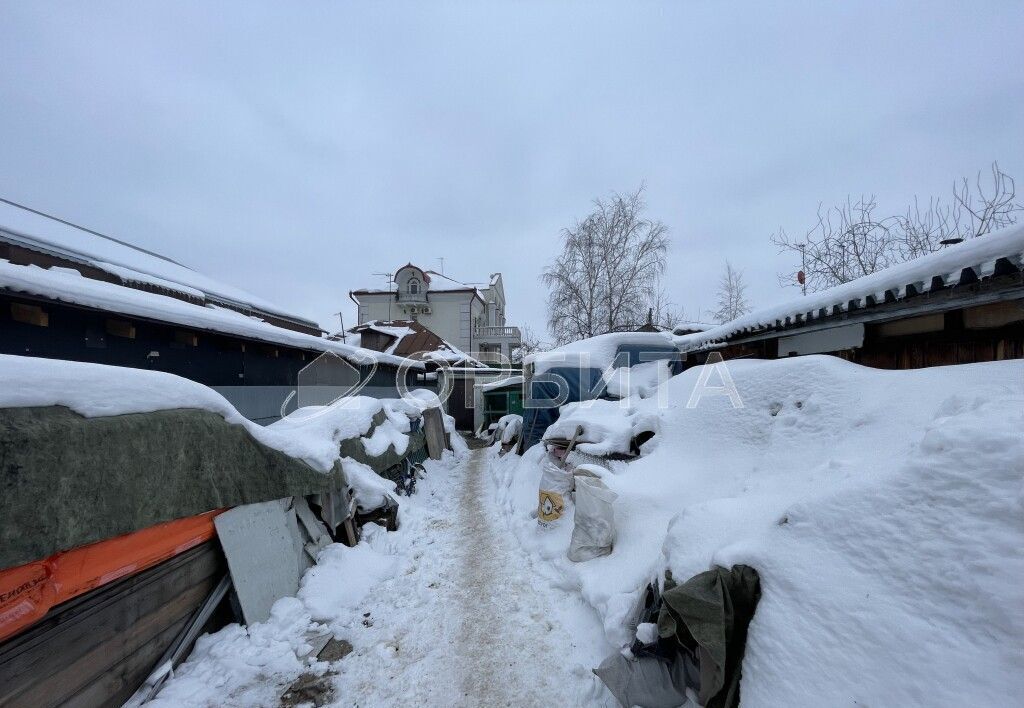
x,y
497,334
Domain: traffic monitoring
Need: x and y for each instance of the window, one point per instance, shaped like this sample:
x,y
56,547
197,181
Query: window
x,y
30,314
120,328
183,338
414,286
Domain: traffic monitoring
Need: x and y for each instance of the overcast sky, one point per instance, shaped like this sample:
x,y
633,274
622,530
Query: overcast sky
x,y
296,149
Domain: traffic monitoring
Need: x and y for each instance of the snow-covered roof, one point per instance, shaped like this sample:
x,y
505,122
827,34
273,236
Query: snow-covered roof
x,y
130,263
413,339
500,383
596,352
66,285
967,262
687,327
436,282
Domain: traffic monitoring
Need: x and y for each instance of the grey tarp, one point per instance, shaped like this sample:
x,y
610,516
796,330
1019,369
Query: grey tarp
x,y
709,614
67,480
416,451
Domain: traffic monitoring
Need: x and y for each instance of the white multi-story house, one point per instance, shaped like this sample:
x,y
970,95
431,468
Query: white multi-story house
x,y
470,317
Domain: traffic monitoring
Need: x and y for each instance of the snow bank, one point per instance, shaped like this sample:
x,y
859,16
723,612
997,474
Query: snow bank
x,y
883,510
369,490
252,665
510,427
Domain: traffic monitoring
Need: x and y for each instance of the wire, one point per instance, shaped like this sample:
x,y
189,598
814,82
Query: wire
x,y
94,233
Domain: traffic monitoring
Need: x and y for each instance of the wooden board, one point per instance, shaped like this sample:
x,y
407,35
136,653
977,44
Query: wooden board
x,y
96,649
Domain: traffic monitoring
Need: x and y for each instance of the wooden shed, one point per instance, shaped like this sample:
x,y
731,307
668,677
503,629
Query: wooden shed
x,y
960,305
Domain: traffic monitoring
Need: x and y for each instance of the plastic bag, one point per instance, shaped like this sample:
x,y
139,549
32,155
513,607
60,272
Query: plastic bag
x,y
555,485
593,534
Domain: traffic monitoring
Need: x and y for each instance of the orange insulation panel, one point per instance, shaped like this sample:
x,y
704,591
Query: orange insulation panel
x,y
27,592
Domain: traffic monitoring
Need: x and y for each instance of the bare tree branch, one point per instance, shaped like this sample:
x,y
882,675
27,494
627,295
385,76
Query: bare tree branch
x,y
849,241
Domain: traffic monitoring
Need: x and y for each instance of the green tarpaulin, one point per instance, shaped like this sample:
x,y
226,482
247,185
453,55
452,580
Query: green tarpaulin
x,y
709,615
67,480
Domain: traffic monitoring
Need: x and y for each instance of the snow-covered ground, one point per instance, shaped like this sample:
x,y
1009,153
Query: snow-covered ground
x,y
448,611
884,511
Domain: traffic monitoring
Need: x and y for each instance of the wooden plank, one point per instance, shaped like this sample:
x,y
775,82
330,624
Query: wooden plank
x,y
96,649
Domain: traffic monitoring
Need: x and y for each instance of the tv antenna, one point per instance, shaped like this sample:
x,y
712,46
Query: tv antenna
x,y
390,279
341,318
441,258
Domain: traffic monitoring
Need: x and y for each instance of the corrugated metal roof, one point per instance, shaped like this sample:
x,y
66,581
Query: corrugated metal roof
x,y
962,264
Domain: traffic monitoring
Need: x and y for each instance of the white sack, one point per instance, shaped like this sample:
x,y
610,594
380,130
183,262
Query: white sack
x,y
555,485
594,532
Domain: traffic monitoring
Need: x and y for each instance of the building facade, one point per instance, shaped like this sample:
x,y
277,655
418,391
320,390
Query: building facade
x,y
470,317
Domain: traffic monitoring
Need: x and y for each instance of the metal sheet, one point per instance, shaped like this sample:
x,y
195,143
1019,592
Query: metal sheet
x,y
265,554
823,341
313,528
433,430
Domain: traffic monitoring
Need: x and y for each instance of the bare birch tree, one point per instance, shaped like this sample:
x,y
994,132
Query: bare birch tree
x,y
664,312
528,344
732,300
850,240
604,280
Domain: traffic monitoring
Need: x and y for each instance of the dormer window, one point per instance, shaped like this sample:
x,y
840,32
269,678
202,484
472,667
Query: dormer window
x,y
414,286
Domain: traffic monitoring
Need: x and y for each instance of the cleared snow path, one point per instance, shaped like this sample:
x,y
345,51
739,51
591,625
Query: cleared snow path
x,y
465,621
446,611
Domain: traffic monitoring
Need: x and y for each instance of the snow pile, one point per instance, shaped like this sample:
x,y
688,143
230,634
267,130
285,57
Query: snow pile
x,y
253,665
596,352
386,435
369,490
606,427
883,510
320,429
640,379
507,429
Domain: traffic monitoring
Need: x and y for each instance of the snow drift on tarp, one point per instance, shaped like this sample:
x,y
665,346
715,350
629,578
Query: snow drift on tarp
x,y
71,480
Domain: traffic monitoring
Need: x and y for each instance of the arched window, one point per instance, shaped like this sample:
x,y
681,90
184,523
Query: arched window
x,y
414,286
